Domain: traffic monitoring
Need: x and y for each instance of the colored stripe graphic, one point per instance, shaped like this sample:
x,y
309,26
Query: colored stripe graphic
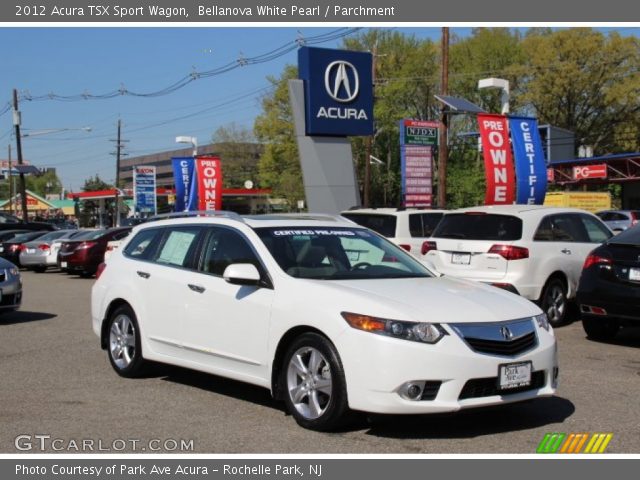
x,y
574,442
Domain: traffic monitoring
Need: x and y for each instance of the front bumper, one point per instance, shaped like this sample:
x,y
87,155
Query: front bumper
x,y
11,291
376,369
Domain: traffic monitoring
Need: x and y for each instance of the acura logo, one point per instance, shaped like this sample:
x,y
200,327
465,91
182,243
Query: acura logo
x,y
506,333
338,81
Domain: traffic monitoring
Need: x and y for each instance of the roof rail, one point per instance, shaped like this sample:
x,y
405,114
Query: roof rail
x,y
305,216
199,213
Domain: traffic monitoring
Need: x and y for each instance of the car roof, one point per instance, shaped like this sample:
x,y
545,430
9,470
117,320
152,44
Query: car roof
x,y
256,221
533,210
391,211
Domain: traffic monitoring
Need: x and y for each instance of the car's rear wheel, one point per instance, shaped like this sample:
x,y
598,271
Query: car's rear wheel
x,y
554,302
123,346
316,393
603,329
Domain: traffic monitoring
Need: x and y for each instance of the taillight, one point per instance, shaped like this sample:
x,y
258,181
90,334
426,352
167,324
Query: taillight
x,y
85,245
427,246
509,252
44,247
405,246
595,259
634,218
100,269
15,248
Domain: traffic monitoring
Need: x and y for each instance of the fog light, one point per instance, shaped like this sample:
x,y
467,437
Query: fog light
x,y
411,390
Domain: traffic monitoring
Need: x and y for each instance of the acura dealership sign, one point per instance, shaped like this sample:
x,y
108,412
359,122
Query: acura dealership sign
x,y
338,90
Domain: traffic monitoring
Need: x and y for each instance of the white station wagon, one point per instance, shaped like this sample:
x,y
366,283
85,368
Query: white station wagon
x,y
328,315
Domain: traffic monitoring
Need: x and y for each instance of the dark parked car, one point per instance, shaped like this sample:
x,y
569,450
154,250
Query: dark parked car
x,y
9,234
609,288
85,252
10,249
31,226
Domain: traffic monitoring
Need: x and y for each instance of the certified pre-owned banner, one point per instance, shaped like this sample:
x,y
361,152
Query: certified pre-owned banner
x,y
531,169
494,131
183,170
209,178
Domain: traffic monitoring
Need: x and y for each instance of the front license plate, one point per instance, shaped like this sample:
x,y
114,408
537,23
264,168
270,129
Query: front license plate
x,y
461,258
514,375
63,264
634,274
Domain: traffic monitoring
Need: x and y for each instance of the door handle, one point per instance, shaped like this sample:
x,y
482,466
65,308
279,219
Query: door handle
x,y
566,251
196,288
144,275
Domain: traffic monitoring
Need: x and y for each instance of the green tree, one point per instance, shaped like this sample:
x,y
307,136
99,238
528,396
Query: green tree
x,y
585,81
239,153
47,183
279,164
90,208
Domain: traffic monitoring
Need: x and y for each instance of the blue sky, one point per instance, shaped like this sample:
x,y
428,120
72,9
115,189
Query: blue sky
x,y
69,61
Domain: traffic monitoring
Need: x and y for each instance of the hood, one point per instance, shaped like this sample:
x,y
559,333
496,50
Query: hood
x,y
441,300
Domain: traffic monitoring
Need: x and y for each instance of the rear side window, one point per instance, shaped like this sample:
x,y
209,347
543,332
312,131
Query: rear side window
x,y
423,224
385,225
596,231
479,226
143,244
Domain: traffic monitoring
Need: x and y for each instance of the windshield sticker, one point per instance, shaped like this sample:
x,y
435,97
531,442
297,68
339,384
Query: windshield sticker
x,y
319,233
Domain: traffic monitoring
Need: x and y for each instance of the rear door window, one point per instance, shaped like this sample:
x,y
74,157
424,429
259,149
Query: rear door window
x,y
479,226
385,225
569,228
596,231
179,246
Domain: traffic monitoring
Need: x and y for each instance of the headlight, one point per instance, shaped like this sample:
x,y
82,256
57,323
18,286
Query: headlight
x,y
543,321
14,271
414,331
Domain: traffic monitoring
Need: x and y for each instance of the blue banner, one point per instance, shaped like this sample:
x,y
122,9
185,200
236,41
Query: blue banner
x,y
186,191
530,165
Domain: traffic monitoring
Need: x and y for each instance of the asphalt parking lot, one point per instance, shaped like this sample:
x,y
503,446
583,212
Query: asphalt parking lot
x,y
55,381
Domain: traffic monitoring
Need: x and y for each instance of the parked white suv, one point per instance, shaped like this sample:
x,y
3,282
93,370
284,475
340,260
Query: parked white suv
x,y
408,228
535,251
328,315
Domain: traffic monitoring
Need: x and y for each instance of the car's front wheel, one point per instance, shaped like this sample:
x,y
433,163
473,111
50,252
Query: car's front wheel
x,y
123,346
316,392
554,302
600,328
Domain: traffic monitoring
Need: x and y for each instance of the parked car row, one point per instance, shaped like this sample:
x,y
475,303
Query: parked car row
x,y
551,256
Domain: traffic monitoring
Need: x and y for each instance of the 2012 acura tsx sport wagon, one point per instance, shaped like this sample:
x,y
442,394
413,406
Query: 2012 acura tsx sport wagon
x,y
328,315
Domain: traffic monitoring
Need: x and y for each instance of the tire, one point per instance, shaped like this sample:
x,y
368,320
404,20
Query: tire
x,y
123,343
554,302
600,329
313,383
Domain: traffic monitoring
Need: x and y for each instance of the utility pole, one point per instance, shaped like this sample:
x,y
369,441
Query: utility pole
x,y
16,123
10,179
443,147
369,141
118,153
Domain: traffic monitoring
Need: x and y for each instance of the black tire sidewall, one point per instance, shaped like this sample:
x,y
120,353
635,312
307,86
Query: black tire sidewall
x,y
135,368
543,301
604,329
335,414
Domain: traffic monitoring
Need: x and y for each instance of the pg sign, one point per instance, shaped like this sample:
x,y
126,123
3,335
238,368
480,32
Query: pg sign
x,y
338,90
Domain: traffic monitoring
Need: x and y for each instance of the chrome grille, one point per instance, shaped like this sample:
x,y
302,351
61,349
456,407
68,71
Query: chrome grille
x,y
500,338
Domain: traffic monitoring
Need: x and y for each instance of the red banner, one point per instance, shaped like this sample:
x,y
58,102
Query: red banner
x,y
209,176
498,161
584,172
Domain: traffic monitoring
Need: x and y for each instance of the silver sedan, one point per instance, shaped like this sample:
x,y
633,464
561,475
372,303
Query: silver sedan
x,y
39,254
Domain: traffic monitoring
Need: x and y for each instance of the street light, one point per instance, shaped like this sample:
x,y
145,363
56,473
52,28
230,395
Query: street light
x,y
47,131
500,83
192,140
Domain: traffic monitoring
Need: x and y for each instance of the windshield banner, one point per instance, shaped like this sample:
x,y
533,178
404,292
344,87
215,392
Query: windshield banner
x,y
531,169
498,163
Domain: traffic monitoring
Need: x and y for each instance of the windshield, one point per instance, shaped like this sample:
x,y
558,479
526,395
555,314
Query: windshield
x,y
338,254
630,237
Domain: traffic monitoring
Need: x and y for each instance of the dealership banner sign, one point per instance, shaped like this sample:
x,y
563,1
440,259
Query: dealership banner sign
x,y
144,189
586,172
209,179
530,165
494,133
338,91
186,193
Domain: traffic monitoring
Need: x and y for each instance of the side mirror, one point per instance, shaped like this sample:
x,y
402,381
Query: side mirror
x,y
242,274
